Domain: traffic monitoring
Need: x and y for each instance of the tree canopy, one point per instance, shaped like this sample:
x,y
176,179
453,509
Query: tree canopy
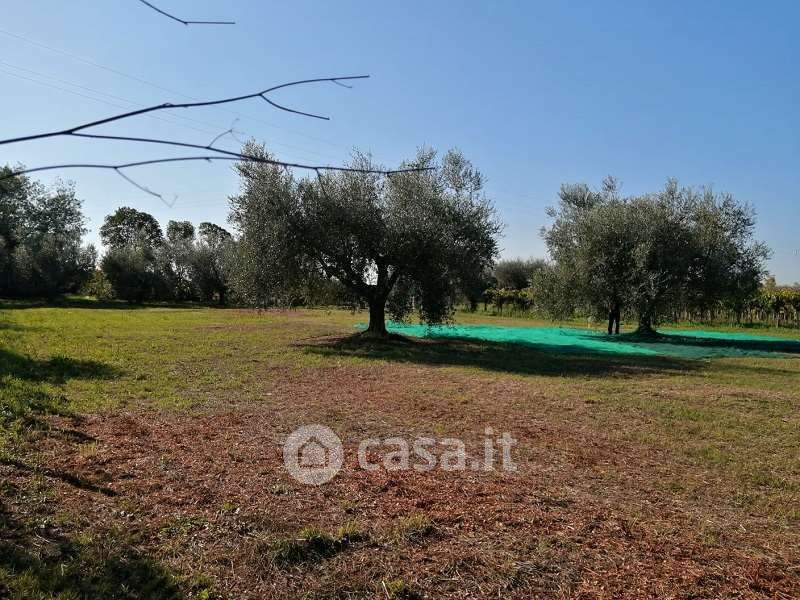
x,y
128,226
647,253
517,273
40,238
405,241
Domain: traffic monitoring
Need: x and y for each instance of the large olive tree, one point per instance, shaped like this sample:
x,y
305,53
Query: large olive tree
x,y
404,241
651,253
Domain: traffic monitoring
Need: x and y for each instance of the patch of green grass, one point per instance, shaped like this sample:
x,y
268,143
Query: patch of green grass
x,y
53,567
180,526
397,589
351,533
200,586
414,527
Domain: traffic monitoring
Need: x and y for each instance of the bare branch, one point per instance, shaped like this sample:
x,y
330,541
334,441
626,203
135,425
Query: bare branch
x,y
297,112
321,183
168,105
231,155
221,154
145,189
235,157
174,18
210,145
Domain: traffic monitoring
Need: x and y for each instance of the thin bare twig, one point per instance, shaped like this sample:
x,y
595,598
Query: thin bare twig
x,y
212,142
297,112
221,154
231,155
168,105
179,20
209,158
234,156
145,189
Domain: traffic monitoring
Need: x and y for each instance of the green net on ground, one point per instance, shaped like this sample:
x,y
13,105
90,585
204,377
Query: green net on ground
x,y
683,344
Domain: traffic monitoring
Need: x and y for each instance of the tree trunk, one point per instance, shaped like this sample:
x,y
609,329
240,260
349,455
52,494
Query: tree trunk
x,y
377,318
645,326
614,316
222,296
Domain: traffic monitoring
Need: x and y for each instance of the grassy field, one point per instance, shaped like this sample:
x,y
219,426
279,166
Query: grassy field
x,y
140,457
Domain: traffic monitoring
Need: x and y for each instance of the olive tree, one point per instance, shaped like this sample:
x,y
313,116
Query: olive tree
x,y
40,238
591,244
210,262
405,241
176,260
134,262
127,226
729,266
651,253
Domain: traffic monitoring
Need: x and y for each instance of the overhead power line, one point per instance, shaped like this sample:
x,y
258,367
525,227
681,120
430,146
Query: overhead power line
x,y
100,100
169,105
210,128
160,87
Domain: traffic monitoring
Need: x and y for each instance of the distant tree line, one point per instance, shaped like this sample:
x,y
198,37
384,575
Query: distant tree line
x,y
416,242
142,263
770,304
42,255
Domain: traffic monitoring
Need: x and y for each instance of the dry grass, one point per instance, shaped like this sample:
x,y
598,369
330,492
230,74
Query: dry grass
x,y
635,477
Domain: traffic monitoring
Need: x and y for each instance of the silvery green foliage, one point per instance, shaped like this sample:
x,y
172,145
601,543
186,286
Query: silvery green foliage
x,y
178,253
651,253
409,236
40,239
209,266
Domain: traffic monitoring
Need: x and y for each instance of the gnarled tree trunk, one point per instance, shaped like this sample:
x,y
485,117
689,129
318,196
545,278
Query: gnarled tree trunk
x,y
377,318
645,326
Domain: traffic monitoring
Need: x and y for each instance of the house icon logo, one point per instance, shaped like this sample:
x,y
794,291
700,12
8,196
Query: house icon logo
x,y
313,454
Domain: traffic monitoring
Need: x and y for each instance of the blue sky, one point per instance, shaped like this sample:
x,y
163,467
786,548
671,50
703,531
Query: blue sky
x,y
535,94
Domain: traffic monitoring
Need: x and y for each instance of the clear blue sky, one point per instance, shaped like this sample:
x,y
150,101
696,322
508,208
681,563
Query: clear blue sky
x,y
536,94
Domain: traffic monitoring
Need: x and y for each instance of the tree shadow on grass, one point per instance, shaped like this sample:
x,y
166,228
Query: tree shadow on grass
x,y
721,345
40,562
507,357
73,480
56,370
91,303
26,402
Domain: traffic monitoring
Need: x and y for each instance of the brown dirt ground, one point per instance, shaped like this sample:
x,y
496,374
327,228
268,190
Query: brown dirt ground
x,y
586,514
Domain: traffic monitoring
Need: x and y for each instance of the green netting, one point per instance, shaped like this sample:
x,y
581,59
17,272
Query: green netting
x,y
684,344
